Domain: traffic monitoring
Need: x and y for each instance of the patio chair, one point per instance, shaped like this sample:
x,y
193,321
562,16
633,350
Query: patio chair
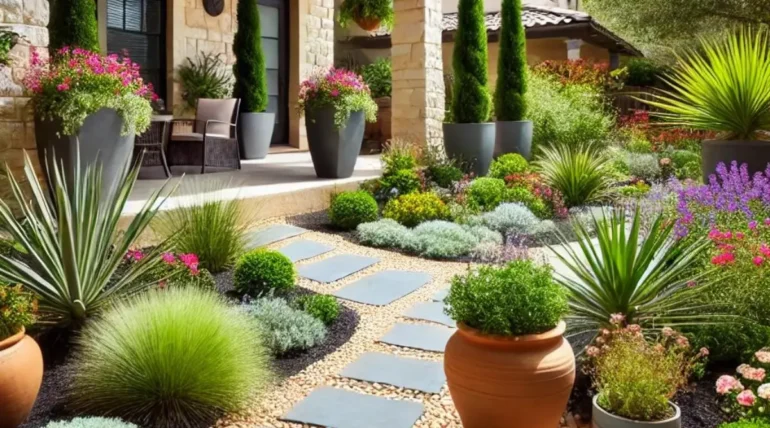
x,y
213,141
152,143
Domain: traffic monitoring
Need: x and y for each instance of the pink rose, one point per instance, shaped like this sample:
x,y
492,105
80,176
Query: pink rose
x,y
763,355
742,368
751,373
727,384
746,398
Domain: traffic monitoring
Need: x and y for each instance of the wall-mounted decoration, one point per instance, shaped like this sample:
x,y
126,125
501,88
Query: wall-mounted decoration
x,y
214,7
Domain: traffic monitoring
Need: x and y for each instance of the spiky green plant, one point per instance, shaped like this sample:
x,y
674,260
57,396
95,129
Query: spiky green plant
x,y
721,85
179,357
579,173
73,245
645,277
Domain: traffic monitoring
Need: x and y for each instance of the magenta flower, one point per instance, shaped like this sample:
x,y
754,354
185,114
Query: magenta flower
x,y
746,398
62,87
168,258
758,260
191,261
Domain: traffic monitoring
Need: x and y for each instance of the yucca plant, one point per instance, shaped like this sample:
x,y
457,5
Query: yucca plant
x,y
644,277
579,173
721,85
72,242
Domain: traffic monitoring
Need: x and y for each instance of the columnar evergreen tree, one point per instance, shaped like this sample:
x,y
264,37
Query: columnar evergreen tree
x,y
469,60
512,65
73,23
249,68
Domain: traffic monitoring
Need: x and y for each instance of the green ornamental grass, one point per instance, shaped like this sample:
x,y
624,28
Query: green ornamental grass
x,y
580,173
169,358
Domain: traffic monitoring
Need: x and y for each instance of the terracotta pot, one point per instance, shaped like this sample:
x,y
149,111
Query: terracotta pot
x,y
368,24
21,372
509,382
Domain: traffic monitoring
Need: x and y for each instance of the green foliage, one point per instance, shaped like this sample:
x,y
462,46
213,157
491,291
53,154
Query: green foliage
x,y
321,306
580,173
206,77
641,72
401,182
198,358
444,174
74,242
379,76
8,248
507,164
17,310
509,218
443,239
638,143
644,166
754,423
686,164
721,85
471,102
486,193
512,65
260,271
384,233
729,342
249,68
397,155
73,24
285,329
415,208
91,422
371,9
571,115
643,276
520,298
8,40
349,209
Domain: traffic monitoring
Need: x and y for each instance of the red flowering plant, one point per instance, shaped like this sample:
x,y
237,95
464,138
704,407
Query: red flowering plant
x,y
176,270
580,71
747,394
547,202
76,83
341,89
660,136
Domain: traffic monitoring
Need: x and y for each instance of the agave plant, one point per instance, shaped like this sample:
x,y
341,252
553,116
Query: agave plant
x,y
72,243
721,85
579,173
644,277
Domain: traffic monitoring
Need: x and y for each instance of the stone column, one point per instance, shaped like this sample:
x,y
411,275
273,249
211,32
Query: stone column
x,y
29,19
418,76
573,48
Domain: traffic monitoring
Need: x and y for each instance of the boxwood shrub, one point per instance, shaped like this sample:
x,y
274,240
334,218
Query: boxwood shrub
x,y
323,307
400,182
262,270
486,193
508,164
349,209
413,209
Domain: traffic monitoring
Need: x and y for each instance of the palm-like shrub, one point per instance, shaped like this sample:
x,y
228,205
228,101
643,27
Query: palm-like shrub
x,y
579,173
73,24
721,85
512,65
206,77
471,102
249,68
73,244
643,276
172,358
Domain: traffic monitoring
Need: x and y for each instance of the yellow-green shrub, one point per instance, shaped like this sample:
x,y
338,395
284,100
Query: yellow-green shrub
x,y
415,208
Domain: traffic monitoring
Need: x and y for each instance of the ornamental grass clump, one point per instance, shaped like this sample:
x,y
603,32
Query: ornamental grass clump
x,y
340,89
581,174
176,357
349,209
261,271
76,83
517,299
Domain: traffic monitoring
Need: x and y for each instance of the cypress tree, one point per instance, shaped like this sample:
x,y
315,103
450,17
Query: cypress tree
x,y
73,24
470,61
249,68
512,65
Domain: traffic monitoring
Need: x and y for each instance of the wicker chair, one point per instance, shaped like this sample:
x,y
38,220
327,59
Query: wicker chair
x,y
213,141
151,145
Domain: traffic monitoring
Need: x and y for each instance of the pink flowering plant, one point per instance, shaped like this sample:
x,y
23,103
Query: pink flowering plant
x,y
341,89
747,393
174,270
77,83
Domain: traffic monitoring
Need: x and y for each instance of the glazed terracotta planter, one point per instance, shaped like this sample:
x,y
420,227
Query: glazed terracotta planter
x,y
509,381
21,372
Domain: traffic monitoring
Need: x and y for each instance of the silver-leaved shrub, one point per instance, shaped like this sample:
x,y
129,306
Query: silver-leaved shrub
x,y
511,218
285,329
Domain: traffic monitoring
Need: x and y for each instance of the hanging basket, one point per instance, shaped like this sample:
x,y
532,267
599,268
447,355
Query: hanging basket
x,y
368,24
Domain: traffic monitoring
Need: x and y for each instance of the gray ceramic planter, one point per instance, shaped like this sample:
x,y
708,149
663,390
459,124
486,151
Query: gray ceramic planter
x,y
514,137
334,151
603,419
99,140
471,144
255,134
756,154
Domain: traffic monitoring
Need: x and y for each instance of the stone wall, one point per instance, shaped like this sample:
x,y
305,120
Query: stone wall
x,y
29,19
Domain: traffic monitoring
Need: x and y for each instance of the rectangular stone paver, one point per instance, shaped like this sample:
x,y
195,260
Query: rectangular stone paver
x,y
441,295
430,311
338,408
335,268
270,234
383,287
411,373
418,336
304,249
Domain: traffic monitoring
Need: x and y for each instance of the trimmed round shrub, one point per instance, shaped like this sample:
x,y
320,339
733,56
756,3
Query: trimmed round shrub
x,y
413,209
644,166
508,164
285,329
400,182
321,306
444,175
262,270
486,193
91,423
384,233
349,209
176,357
513,218
520,298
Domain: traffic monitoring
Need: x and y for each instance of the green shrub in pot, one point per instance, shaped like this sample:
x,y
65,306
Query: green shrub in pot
x,y
379,76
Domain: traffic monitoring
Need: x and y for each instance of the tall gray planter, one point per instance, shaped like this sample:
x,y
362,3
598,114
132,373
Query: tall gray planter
x,y
471,144
756,154
256,133
99,141
334,151
604,419
514,137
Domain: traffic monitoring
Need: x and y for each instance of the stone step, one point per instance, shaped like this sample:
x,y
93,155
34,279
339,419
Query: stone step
x,y
304,249
441,295
335,268
270,234
418,336
410,373
430,311
384,287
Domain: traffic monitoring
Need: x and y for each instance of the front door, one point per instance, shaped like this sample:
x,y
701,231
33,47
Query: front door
x,y
272,15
